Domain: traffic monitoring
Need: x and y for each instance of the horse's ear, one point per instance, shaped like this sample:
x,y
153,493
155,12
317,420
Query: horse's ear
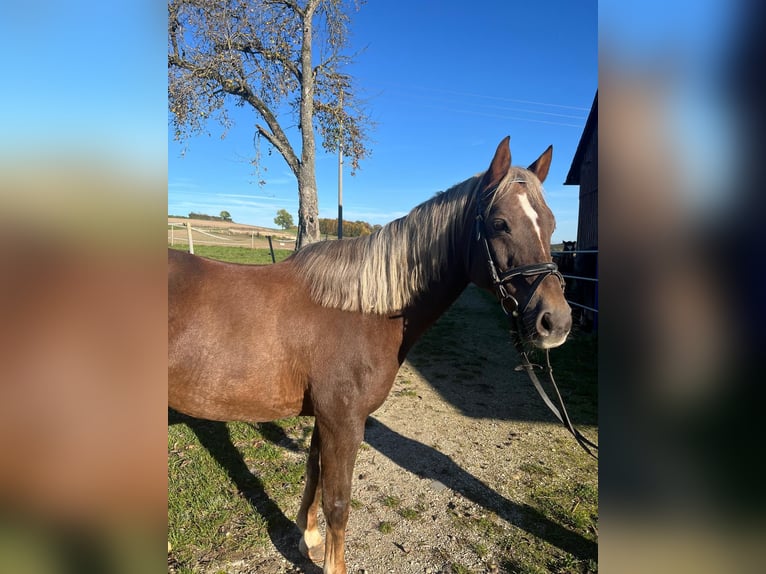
x,y
500,165
542,164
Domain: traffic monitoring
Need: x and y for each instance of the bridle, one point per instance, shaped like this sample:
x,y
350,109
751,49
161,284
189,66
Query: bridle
x,y
514,310
511,306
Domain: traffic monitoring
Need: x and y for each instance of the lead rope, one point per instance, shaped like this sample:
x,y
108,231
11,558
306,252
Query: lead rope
x,y
561,413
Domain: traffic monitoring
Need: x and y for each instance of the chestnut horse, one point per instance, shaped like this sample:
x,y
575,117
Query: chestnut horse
x,y
324,332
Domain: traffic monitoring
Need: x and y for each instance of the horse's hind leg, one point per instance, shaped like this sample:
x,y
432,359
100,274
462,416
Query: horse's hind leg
x,y
311,544
340,442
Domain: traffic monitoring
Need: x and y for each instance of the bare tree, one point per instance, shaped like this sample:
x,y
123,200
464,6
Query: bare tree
x,y
265,54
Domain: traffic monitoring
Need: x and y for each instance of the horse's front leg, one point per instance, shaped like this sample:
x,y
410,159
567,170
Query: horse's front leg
x,y
341,437
311,544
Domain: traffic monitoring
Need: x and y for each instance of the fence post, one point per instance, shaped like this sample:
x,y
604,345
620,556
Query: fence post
x,y
271,249
189,231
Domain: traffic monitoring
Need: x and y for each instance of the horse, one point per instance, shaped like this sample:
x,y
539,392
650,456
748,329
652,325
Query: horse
x,y
565,258
324,332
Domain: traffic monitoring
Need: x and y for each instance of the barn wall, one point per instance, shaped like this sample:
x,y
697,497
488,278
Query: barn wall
x,y
587,225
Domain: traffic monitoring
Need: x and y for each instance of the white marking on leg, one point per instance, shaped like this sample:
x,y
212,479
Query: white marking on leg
x,y
532,214
312,537
312,546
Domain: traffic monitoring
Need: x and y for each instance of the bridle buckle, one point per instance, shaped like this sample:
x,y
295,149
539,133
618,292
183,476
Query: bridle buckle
x,y
505,299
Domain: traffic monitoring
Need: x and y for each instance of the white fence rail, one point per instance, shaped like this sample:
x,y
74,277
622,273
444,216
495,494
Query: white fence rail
x,y
237,237
246,238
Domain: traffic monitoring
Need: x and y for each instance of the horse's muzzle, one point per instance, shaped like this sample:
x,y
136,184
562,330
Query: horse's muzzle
x,y
552,326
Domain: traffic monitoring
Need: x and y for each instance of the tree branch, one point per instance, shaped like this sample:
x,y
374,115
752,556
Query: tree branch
x,y
290,4
256,48
287,153
275,136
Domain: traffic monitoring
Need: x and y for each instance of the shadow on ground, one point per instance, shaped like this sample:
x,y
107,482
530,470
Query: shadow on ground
x,y
215,438
468,358
426,462
412,455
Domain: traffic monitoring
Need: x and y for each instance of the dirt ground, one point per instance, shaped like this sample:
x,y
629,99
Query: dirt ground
x,y
441,479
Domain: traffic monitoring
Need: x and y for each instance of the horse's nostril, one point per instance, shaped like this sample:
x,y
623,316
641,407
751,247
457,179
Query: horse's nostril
x,y
545,324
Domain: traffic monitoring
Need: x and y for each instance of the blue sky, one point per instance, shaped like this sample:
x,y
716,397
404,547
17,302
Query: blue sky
x,y
76,87
444,82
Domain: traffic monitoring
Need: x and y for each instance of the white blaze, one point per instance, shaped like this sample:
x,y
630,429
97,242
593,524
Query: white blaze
x,y
532,214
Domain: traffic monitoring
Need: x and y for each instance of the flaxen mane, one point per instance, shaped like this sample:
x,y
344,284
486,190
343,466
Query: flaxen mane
x,y
384,272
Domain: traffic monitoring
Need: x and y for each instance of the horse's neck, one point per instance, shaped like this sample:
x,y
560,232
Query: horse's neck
x,y
441,294
429,306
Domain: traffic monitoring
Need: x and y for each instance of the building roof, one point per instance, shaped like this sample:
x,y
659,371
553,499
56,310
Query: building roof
x,y
573,177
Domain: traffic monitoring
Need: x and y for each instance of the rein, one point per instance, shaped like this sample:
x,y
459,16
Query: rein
x,y
561,414
515,310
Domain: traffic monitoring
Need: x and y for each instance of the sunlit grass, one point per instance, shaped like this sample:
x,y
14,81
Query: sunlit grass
x,y
236,254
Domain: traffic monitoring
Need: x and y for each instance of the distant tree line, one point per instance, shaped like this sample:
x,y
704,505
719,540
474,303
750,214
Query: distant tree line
x,y
225,216
285,221
350,228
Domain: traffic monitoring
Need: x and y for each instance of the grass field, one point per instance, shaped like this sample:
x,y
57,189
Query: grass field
x,y
237,254
234,488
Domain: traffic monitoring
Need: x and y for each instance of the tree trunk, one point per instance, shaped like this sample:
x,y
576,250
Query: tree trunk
x,y
219,51
308,204
308,207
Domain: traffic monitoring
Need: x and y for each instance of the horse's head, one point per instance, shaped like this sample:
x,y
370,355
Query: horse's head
x,y
510,248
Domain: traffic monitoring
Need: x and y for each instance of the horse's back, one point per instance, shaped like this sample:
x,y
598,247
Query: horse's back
x,y
226,356
248,343
206,280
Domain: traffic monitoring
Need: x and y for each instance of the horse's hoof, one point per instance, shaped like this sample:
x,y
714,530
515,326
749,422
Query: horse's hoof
x,y
315,553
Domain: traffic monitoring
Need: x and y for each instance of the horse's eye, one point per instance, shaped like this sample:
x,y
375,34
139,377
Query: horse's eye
x,y
499,225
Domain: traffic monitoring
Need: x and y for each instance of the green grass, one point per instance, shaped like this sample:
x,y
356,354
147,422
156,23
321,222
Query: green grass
x,y
536,470
480,549
227,483
409,513
574,505
237,254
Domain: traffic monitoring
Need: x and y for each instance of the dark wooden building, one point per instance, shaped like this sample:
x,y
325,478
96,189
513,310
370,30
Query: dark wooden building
x,y
583,291
584,172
